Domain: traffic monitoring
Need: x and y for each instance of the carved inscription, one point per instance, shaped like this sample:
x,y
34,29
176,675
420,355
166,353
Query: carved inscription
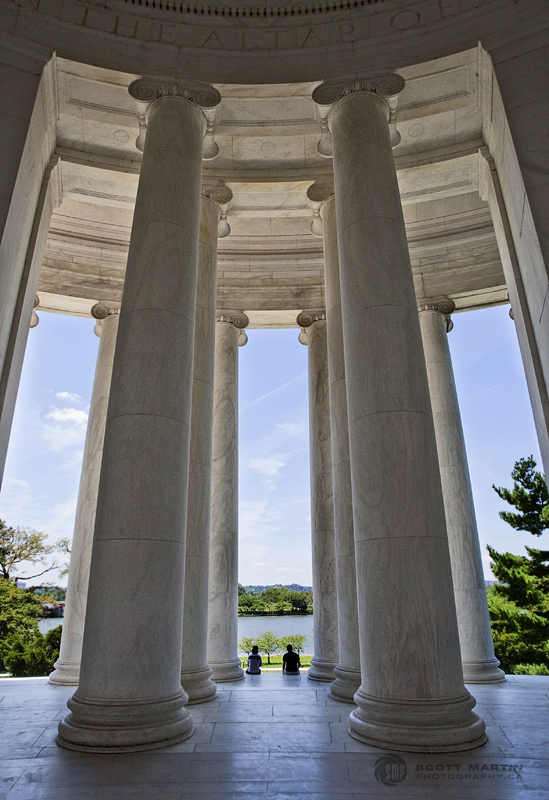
x,y
190,30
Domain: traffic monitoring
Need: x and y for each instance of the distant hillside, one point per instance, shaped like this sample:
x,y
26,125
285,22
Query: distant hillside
x,y
295,587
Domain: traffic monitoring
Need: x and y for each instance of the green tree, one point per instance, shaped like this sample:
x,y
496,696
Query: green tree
x,y
269,644
241,589
297,640
64,546
529,496
246,644
519,608
299,601
519,603
246,603
29,653
272,595
19,609
18,545
24,651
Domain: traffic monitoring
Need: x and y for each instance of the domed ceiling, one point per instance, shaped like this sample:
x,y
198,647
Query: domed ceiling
x,y
271,265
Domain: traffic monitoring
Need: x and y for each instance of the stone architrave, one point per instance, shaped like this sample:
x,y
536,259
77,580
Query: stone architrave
x,y
475,635
130,695
326,653
348,669
195,671
67,667
412,695
223,589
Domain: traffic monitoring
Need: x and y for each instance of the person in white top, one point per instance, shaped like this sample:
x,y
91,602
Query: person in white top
x,y
254,661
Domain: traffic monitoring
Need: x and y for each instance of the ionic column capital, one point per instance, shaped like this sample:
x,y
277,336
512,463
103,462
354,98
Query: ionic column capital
x,y
317,194
307,318
387,87
445,307
101,311
220,194
150,90
35,319
239,320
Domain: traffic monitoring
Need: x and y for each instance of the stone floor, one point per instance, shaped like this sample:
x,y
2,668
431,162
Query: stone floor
x,y
272,736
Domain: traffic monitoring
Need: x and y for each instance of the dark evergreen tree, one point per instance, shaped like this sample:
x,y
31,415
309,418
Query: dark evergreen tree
x,y
529,496
519,603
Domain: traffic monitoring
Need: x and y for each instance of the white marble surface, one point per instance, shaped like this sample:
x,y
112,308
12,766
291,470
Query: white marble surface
x,y
223,589
348,669
27,143
409,641
326,651
130,696
195,671
475,635
275,737
513,103
67,667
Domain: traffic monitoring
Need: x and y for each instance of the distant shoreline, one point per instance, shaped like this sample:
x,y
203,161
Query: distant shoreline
x,y
279,614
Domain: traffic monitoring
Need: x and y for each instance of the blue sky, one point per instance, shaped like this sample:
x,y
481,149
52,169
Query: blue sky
x,y
43,468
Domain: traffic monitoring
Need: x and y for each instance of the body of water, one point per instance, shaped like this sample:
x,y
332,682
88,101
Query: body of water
x,y
283,627
48,623
247,626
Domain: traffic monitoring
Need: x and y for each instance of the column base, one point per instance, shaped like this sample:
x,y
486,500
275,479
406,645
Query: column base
x,y
198,686
345,685
483,672
225,671
65,673
417,726
124,726
321,670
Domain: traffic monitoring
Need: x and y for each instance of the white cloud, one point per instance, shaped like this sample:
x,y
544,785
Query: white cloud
x,y
72,398
296,429
67,428
258,519
72,415
267,466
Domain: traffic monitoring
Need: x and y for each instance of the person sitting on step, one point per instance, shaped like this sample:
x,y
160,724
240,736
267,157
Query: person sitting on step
x,y
290,661
254,662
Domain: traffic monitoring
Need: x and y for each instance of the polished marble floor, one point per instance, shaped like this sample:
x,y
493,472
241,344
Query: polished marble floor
x,y
274,736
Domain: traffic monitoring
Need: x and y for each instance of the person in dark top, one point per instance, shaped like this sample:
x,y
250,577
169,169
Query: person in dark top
x,y
254,661
290,661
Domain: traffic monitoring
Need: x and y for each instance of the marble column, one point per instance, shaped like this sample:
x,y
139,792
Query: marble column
x,y
67,667
326,653
475,635
412,695
223,591
195,671
130,695
347,671
18,299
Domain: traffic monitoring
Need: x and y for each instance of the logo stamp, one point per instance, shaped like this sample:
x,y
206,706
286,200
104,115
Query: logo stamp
x,y
390,770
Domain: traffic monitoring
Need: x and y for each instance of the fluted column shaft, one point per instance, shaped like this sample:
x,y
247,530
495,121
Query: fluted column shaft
x,y
195,671
67,667
326,653
130,695
475,635
348,669
223,591
412,694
